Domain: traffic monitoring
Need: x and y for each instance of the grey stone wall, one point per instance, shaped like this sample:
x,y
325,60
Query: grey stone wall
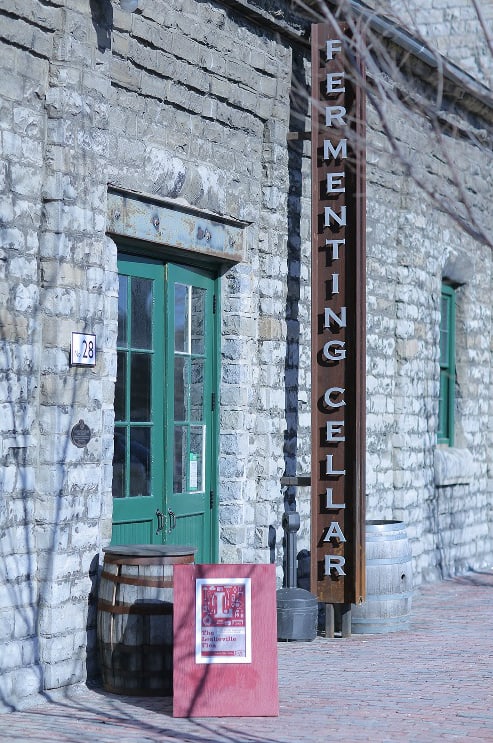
x,y
448,517
191,101
458,29
182,101
55,510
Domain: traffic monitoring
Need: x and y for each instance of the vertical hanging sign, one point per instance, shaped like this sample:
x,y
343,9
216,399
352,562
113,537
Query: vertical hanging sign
x,y
338,319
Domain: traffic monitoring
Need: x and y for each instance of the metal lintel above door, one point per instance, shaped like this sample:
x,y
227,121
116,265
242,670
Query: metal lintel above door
x,y
162,222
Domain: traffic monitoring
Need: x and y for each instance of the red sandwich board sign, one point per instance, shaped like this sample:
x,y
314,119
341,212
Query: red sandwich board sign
x,y
225,641
338,318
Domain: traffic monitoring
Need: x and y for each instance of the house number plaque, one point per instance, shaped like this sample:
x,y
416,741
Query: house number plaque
x,y
83,349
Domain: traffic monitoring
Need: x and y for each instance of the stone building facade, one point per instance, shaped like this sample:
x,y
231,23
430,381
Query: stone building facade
x,y
185,111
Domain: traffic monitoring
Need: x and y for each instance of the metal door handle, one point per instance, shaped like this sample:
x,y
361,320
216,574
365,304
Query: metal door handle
x,y
172,520
160,521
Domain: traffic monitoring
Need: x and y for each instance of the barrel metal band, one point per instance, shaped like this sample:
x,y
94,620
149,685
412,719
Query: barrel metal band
x,y
153,560
138,691
145,649
388,560
390,596
146,609
140,581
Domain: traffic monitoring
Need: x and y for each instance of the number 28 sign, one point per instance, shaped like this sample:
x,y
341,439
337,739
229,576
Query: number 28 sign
x,y
83,349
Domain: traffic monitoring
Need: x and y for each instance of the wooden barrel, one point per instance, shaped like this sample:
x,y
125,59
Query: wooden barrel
x,y
135,617
388,580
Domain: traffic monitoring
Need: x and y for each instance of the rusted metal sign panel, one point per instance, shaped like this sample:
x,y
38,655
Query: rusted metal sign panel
x,y
338,320
148,219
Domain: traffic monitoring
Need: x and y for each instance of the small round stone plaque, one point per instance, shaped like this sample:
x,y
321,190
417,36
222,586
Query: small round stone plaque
x,y
80,434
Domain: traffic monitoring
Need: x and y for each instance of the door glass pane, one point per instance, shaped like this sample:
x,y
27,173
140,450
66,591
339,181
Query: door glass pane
x,y
444,331
196,459
179,471
120,439
181,386
141,313
198,319
120,386
197,390
140,461
140,387
122,310
181,318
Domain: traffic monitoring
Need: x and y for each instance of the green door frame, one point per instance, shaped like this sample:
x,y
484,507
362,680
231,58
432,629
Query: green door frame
x,y
162,403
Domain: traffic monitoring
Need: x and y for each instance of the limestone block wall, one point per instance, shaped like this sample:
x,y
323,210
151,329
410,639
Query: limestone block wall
x,y
185,101
412,245
458,29
193,101
54,507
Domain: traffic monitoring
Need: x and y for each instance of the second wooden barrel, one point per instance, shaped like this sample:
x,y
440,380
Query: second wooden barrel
x,y
388,580
135,617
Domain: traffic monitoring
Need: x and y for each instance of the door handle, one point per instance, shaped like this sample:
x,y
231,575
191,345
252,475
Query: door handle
x,y
160,521
172,520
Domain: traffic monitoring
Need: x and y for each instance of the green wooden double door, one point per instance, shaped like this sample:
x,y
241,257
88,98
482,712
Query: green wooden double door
x,y
165,458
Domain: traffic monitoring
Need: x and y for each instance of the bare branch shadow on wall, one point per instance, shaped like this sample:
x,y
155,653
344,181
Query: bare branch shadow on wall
x,y
18,563
102,19
34,521
45,583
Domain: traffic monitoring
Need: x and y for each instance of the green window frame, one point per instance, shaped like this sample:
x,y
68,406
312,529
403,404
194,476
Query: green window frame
x,y
446,404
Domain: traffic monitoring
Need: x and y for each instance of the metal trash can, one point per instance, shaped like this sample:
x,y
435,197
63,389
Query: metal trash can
x,y
297,614
135,617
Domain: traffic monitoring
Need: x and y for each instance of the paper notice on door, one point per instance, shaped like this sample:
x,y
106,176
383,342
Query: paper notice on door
x,y
193,472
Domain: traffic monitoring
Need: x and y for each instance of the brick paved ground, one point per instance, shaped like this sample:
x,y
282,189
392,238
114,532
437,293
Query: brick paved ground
x,y
432,683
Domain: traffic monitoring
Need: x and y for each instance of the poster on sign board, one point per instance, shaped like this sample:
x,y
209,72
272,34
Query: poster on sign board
x,y
223,628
